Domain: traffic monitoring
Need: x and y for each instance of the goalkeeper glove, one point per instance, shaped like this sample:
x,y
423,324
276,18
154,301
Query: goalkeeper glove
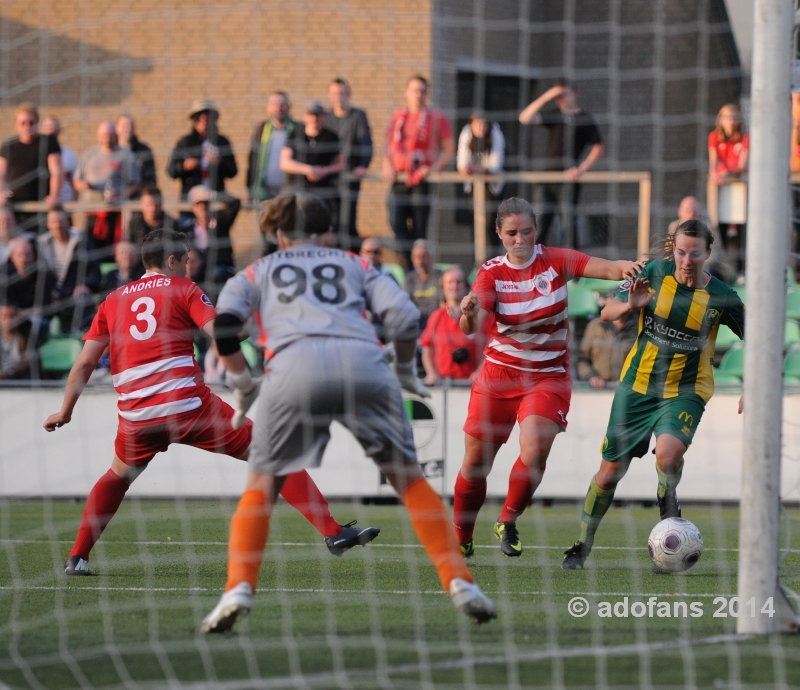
x,y
407,376
244,395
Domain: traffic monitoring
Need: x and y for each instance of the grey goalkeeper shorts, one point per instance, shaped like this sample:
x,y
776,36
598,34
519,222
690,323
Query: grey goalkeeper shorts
x,y
315,381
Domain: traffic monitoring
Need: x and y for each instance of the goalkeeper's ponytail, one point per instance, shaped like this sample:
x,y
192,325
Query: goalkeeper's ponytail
x,y
297,215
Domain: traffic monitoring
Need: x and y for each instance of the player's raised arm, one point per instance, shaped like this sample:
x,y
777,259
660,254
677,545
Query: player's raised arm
x,y
613,270
78,376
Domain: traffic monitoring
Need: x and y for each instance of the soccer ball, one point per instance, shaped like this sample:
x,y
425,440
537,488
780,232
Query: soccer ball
x,y
675,545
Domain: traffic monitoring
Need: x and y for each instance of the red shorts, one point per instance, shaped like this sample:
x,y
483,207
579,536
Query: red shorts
x,y
208,427
500,396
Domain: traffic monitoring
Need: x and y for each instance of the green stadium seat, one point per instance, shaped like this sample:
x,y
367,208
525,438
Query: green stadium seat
x,y
731,368
726,339
791,366
598,284
742,292
59,354
582,302
250,353
472,275
397,271
106,267
790,281
793,303
792,335
442,267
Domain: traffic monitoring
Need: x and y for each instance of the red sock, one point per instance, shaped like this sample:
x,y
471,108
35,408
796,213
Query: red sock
x,y
467,501
103,502
300,492
520,492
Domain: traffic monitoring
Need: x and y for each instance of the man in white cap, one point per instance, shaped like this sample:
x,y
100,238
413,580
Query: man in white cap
x,y
204,156
209,232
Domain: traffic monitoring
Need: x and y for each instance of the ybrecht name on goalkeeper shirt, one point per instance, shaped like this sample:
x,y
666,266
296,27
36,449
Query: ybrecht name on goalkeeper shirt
x,y
674,348
319,292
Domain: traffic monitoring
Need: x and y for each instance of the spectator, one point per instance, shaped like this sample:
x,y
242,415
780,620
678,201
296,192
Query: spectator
x,y
195,266
151,217
129,267
313,159
446,352
27,284
728,148
30,167
372,251
209,233
126,134
203,157
8,231
482,150
69,159
19,355
571,131
419,141
604,347
352,128
69,254
423,282
265,179
107,174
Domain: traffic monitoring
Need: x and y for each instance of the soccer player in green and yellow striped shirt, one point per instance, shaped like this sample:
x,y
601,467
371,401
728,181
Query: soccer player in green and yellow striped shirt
x,y
667,377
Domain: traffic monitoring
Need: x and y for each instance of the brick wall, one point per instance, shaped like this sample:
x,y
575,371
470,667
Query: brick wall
x,y
85,61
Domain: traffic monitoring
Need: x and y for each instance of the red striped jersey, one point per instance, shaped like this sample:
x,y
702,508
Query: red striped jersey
x,y
149,327
531,328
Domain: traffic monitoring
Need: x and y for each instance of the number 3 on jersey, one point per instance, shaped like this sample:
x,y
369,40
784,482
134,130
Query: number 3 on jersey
x,y
145,315
327,287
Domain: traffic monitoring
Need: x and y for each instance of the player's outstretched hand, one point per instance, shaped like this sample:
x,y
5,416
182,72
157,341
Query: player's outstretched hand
x,y
631,269
243,401
470,306
640,295
407,376
56,421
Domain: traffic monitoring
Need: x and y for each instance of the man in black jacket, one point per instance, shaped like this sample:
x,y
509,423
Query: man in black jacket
x,y
126,134
352,128
203,157
70,255
151,217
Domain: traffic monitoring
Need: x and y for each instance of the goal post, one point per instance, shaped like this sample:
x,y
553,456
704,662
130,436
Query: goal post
x,y
767,242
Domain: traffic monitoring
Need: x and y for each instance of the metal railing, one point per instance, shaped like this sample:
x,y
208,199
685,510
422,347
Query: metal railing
x,y
479,182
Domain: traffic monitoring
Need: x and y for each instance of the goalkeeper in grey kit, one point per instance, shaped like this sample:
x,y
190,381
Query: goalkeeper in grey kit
x,y
323,365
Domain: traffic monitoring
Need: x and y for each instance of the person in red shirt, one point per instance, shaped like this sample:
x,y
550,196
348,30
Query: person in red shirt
x,y
525,375
419,141
728,149
148,327
447,352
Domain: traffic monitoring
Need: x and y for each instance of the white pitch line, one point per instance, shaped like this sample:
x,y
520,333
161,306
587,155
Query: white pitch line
x,y
373,545
311,590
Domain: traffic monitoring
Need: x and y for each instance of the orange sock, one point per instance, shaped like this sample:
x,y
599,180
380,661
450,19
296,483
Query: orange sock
x,y
436,532
249,530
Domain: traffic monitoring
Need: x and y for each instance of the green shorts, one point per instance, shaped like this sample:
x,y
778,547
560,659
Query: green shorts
x,y
636,417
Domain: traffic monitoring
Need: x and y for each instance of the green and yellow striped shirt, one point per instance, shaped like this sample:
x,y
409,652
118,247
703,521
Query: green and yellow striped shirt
x,y
674,349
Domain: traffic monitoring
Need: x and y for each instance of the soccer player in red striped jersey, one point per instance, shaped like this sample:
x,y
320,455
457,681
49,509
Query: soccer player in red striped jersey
x,y
525,375
148,326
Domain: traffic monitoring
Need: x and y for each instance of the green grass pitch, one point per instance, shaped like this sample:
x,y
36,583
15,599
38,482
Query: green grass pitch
x,y
375,618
